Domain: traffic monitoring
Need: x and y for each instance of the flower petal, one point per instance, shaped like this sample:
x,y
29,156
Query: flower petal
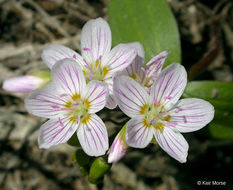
x,y
96,40
93,136
54,53
173,143
191,114
138,48
45,102
137,134
111,103
119,147
68,77
154,66
129,95
96,93
22,84
169,85
56,131
119,58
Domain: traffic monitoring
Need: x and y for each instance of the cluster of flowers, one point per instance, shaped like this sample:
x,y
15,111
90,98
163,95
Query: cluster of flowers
x,y
82,85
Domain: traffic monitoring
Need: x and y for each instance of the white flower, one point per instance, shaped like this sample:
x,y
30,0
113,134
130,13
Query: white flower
x,y
143,74
98,61
70,105
161,114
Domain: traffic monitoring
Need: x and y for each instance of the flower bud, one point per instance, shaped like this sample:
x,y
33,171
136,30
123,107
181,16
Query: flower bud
x,y
119,147
26,83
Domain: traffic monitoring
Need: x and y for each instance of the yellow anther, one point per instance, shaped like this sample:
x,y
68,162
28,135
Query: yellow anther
x,y
68,104
146,123
97,63
76,96
159,127
72,119
143,109
86,119
87,103
167,118
105,71
133,76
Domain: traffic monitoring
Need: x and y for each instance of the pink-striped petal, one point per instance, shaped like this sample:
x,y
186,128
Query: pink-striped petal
x,y
173,143
119,147
45,102
56,131
96,40
191,114
137,134
119,58
138,48
154,66
93,136
130,96
136,66
54,53
169,86
68,77
111,103
96,93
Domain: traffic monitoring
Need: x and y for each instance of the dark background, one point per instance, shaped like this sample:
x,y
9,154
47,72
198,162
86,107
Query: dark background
x,y
26,27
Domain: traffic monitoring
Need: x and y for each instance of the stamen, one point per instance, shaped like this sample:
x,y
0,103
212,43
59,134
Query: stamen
x,y
77,104
156,102
90,76
74,56
152,121
162,114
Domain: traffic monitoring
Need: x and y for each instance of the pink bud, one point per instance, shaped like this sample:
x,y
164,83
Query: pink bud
x,y
118,148
22,84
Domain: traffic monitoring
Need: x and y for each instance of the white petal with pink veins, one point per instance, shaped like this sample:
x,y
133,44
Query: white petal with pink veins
x,y
118,58
93,136
169,86
129,95
137,134
172,142
55,52
68,77
191,114
45,102
56,131
96,93
96,40
155,65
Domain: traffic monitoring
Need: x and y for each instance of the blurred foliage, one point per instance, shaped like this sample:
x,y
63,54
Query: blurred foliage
x,y
148,21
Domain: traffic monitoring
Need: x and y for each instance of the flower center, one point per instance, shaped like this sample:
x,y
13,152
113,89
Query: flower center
x,y
155,116
78,109
95,71
141,78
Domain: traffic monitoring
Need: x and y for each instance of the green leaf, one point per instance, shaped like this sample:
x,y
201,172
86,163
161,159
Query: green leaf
x,y
150,22
219,94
